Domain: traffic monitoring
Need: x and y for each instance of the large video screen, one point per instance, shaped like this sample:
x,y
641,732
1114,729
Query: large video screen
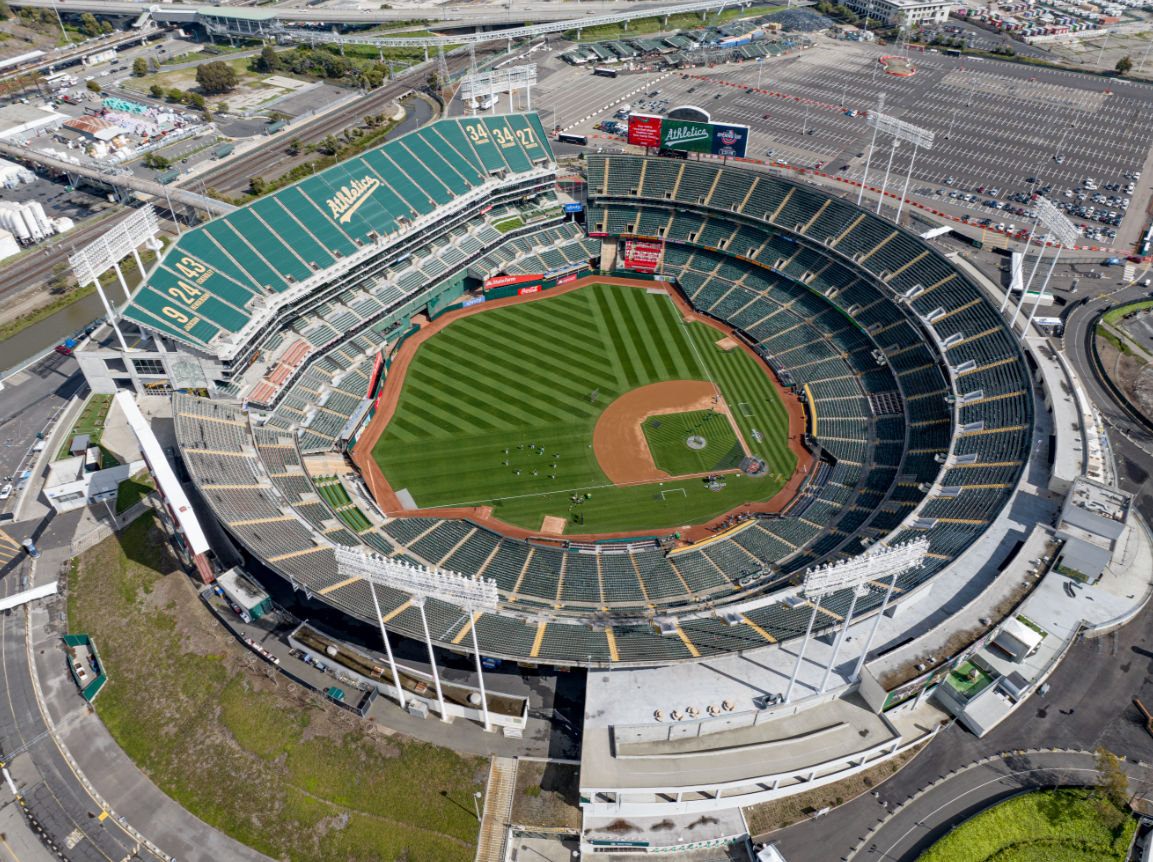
x,y
718,139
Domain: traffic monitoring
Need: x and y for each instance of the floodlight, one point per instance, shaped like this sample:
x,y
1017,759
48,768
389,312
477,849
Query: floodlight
x,y
447,586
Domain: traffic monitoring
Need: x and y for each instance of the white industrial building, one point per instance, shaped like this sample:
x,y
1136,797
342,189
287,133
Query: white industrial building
x,y
916,12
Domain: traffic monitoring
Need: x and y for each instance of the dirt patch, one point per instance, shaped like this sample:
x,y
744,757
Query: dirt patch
x,y
618,439
1132,376
547,795
728,343
552,525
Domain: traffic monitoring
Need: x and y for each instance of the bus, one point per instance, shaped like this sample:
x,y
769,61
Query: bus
x,y
605,73
566,138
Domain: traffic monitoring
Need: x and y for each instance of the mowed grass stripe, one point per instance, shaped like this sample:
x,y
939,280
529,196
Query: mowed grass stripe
x,y
557,332
626,351
526,380
640,326
676,344
555,351
521,349
655,331
634,331
486,405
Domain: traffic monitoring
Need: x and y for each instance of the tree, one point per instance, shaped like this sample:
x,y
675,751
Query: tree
x,y
294,146
1124,65
89,24
257,185
5,10
106,27
330,145
175,95
139,67
222,107
157,91
269,59
216,77
434,80
93,86
196,100
1112,783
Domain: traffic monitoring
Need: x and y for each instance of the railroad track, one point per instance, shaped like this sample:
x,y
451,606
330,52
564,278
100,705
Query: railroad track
x,y
234,176
36,267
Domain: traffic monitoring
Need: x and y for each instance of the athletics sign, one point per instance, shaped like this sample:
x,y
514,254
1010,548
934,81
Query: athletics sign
x,y
505,280
718,139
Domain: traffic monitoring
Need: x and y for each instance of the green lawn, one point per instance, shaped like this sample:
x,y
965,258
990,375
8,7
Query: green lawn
x,y
134,489
91,422
667,436
261,760
520,378
959,679
1037,827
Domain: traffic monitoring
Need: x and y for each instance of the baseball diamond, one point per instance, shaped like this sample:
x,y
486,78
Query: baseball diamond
x,y
494,411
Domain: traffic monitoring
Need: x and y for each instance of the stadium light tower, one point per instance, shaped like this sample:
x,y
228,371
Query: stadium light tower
x,y
1066,235
911,557
852,575
106,252
900,131
422,584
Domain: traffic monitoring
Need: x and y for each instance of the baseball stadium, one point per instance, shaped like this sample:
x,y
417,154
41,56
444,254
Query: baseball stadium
x,y
653,424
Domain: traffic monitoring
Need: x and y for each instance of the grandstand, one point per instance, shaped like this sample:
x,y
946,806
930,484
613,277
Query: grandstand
x,y
918,401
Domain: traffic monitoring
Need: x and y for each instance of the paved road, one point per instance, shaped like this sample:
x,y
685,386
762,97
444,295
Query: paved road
x,y
53,795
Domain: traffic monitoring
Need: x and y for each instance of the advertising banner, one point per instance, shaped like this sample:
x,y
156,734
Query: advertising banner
x,y
534,289
566,279
505,280
730,141
644,130
475,300
642,256
686,135
717,139
573,208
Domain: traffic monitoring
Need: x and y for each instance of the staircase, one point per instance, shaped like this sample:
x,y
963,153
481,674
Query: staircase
x,y
497,809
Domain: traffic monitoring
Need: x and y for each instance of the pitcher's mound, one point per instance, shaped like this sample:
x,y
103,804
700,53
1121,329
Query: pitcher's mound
x,y
553,525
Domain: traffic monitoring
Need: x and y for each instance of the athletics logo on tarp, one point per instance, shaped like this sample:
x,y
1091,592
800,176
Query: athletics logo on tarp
x,y
348,200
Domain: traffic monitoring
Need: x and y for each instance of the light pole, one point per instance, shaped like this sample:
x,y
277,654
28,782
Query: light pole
x,y
1102,52
1145,56
865,176
885,182
421,584
853,574
476,803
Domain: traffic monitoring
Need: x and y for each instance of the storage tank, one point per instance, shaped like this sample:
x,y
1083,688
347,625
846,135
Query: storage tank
x,y
41,218
17,226
30,220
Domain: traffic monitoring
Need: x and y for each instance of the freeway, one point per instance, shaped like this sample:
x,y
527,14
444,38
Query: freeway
x,y
64,56
473,14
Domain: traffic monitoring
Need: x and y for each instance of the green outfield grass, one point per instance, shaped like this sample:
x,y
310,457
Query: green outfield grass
x,y
520,378
671,452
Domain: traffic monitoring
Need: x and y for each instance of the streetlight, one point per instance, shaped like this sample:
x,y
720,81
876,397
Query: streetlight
x,y
476,803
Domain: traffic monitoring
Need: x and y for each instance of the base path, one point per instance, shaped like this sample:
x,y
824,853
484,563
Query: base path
x,y
619,440
390,396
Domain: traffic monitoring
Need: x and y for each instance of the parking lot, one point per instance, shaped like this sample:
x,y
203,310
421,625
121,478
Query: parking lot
x,y
997,125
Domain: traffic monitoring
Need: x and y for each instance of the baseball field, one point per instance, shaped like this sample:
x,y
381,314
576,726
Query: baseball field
x,y
500,407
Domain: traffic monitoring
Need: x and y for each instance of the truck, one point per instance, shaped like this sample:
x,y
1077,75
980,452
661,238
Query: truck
x,y
100,57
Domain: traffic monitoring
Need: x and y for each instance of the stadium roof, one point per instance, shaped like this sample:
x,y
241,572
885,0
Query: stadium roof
x,y
210,283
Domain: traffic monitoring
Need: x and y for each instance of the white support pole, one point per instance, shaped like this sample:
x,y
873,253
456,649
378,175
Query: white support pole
x,y
139,263
1026,285
1028,244
1040,292
419,602
123,283
837,643
175,218
876,625
387,647
801,654
111,314
885,184
901,204
865,178
479,670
